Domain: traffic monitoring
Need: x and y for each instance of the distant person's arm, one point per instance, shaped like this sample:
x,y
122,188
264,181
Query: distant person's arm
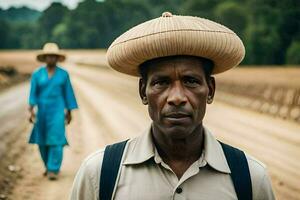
x,y
32,98
69,96
32,114
70,100
68,116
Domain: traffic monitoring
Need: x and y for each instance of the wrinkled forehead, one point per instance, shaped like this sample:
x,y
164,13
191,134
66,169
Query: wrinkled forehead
x,y
179,65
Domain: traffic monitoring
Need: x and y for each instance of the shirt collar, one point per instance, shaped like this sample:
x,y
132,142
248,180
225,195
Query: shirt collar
x,y
141,149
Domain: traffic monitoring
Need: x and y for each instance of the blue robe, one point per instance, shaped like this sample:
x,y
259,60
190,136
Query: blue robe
x,y
52,96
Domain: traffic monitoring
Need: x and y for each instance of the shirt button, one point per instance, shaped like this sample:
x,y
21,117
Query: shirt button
x,y
178,190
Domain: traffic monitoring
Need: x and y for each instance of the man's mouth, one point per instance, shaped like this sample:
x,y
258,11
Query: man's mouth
x,y
177,117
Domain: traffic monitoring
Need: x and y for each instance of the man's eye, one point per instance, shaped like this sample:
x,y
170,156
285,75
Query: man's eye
x,y
160,83
191,82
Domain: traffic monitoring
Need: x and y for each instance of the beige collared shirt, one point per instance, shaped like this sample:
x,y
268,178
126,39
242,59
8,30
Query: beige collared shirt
x,y
144,175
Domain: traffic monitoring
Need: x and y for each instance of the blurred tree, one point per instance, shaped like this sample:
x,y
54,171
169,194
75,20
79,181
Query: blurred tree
x,y
77,30
276,22
262,39
51,17
262,44
60,35
90,38
23,14
292,56
288,28
203,8
4,34
232,15
125,14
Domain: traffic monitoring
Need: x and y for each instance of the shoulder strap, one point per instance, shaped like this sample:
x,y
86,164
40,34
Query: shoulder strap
x,y
236,160
240,173
110,168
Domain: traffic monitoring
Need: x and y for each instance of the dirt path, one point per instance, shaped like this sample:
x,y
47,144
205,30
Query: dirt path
x,y
110,110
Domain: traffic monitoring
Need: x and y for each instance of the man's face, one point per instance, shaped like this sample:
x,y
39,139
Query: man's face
x,y
176,93
51,59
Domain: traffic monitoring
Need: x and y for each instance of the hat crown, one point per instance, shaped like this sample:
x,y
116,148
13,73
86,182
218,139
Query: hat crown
x,y
167,14
169,22
50,47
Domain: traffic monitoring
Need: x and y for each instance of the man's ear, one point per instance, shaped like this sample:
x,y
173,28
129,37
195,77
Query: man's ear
x,y
142,91
212,88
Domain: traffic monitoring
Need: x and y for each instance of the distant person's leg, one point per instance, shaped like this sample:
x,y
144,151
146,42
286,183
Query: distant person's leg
x,y
44,154
55,156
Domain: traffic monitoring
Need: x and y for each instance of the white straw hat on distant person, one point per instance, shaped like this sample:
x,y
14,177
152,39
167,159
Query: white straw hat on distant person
x,y
171,35
50,49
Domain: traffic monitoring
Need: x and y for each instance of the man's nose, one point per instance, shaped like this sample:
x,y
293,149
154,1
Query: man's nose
x,y
176,94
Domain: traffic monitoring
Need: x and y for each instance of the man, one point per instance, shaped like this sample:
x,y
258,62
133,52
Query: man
x,y
176,157
51,92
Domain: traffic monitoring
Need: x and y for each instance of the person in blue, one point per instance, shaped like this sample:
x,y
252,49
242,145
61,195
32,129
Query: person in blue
x,y
52,94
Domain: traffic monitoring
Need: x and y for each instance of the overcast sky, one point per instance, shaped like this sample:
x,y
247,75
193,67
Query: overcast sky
x,y
36,4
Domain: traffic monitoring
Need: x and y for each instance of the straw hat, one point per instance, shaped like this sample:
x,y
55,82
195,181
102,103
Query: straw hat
x,y
50,49
171,35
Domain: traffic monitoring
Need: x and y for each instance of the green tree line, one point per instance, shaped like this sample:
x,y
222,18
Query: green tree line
x,y
270,29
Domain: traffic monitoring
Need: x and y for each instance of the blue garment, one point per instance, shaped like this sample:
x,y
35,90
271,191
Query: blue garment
x,y
52,96
52,157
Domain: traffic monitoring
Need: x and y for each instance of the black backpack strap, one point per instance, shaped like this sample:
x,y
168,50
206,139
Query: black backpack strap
x,y
110,168
240,173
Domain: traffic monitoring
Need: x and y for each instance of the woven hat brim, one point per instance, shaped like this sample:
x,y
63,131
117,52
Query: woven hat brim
x,y
42,55
225,49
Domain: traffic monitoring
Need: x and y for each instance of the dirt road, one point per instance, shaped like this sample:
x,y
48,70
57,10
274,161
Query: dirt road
x,y
110,110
